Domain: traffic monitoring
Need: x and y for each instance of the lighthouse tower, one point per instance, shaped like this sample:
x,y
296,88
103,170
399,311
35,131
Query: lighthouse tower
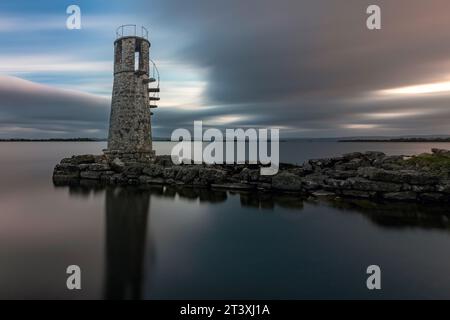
x,y
136,87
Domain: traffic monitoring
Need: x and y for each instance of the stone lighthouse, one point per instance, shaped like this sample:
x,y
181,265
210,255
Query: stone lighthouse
x,y
136,87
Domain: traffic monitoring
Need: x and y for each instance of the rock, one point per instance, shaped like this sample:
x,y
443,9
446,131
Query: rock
x,y
93,175
66,173
441,152
83,166
210,175
399,176
358,194
363,175
321,163
323,194
105,176
299,171
187,174
423,188
369,185
150,180
400,196
133,181
87,158
352,155
374,155
164,160
98,167
341,174
433,197
391,166
171,172
287,182
353,164
66,168
117,165
333,184
314,181
66,161
133,171
307,167
264,186
444,187
154,170
392,159
249,175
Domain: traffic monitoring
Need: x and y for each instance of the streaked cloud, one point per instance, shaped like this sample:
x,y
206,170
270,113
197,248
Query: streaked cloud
x,y
34,63
28,107
308,67
428,88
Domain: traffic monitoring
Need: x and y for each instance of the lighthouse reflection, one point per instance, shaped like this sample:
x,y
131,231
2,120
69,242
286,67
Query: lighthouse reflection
x,y
127,216
177,242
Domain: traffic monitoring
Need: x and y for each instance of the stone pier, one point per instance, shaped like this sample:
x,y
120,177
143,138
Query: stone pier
x,y
368,175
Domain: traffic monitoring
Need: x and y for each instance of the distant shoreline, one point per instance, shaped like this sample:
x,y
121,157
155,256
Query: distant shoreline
x,y
430,140
105,140
398,140
54,140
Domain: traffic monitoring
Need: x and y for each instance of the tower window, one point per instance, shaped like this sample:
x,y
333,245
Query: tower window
x,y
136,60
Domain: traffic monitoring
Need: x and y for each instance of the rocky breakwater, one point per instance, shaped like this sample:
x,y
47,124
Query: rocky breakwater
x,y
372,175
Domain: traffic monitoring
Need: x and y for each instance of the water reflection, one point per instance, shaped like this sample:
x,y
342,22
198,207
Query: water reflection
x,y
126,228
397,214
130,252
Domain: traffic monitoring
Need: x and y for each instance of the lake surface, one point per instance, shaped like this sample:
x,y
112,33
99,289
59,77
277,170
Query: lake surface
x,y
158,243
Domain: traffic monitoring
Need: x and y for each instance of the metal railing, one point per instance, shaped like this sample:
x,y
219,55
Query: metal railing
x,y
131,30
155,72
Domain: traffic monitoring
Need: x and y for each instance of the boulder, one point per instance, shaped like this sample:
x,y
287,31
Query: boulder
x,y
441,152
133,171
444,187
154,170
117,165
171,172
358,194
321,163
433,197
351,165
105,176
92,175
400,196
314,181
287,182
164,160
352,155
98,167
341,174
210,175
249,175
66,168
307,167
399,176
86,158
187,174
374,155
369,185
150,180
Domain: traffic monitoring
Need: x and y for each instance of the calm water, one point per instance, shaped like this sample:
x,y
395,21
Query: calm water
x,y
187,243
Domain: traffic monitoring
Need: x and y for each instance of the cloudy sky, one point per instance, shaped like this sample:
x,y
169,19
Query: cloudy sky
x,y
308,67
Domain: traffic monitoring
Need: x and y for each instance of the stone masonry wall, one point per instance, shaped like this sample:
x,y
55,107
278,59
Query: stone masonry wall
x,y
130,119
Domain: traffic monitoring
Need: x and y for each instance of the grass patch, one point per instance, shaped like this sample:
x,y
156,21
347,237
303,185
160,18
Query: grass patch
x,y
433,161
